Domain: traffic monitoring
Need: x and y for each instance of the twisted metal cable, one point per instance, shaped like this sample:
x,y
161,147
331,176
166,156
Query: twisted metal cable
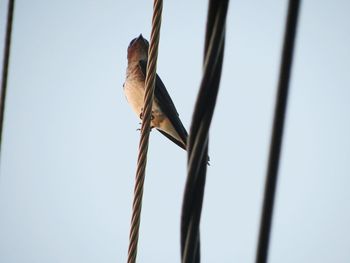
x,y
145,129
5,64
198,138
277,131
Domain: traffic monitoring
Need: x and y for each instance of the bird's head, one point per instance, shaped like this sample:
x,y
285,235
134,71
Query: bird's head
x,y
138,49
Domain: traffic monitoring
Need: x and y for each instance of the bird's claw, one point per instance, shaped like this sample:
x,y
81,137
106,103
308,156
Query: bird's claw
x,y
141,115
139,129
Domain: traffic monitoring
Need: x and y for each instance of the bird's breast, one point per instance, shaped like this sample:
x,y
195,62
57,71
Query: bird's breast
x,y
135,91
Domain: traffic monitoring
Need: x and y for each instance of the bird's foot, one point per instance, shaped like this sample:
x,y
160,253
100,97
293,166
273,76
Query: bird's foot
x,y
139,129
141,115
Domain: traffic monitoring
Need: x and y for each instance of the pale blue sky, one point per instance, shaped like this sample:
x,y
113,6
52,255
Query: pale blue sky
x,y
70,141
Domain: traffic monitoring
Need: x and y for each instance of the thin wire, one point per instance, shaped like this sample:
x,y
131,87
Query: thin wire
x,y
277,131
198,138
145,130
5,64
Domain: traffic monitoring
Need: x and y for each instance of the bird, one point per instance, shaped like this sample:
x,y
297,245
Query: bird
x,y
165,117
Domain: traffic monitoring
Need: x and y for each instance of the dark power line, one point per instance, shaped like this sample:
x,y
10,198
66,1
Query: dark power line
x,y
198,138
5,64
277,131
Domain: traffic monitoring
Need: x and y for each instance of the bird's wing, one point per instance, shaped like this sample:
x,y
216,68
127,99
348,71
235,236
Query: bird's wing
x,y
168,107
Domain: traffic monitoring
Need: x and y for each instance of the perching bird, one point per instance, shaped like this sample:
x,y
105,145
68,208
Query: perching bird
x,y
164,115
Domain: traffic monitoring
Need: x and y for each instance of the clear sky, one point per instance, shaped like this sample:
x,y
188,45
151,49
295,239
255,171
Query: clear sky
x,y
70,141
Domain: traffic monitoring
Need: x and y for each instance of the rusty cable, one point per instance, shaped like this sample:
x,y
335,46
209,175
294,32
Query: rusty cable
x,y
145,130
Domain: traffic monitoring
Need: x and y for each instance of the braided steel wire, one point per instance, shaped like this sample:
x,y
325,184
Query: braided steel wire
x,y
198,138
145,130
5,64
